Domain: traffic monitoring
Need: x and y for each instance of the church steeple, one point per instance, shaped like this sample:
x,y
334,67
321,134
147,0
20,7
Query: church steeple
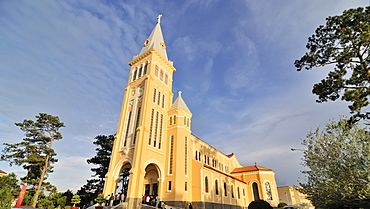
x,y
179,103
156,40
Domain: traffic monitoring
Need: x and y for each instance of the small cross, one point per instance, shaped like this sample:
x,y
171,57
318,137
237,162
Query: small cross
x,y
159,18
180,93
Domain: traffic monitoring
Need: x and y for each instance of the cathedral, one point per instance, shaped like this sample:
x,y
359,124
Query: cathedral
x,y
155,153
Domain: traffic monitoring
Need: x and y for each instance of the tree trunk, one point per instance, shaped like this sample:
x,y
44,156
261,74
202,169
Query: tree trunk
x,y
38,189
43,172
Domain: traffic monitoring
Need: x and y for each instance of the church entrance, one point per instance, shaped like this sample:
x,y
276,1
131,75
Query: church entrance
x,y
122,184
151,181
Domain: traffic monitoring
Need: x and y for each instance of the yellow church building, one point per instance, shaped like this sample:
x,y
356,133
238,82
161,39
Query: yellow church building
x,y
155,144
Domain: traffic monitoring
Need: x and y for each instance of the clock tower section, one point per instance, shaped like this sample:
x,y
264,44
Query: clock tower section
x,y
141,141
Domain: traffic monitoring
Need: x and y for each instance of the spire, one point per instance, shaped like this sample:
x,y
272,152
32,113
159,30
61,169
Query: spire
x,y
156,40
179,103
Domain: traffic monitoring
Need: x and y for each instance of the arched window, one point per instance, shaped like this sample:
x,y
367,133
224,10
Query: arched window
x,y
196,155
256,194
206,184
161,75
216,187
268,191
145,68
166,79
156,70
140,71
134,76
225,189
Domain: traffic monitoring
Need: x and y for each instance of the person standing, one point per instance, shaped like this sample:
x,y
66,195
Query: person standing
x,y
190,206
111,200
122,197
107,199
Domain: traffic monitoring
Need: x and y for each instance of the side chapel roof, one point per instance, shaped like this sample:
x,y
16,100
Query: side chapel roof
x,y
179,103
250,168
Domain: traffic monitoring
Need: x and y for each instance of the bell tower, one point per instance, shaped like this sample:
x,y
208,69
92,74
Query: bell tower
x,y
141,141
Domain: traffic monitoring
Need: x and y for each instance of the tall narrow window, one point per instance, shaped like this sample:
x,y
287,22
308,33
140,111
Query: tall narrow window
x,y
256,194
170,121
166,79
156,71
206,184
154,95
268,191
171,154
145,68
169,188
184,120
188,122
127,128
140,71
137,124
216,187
160,132
238,193
151,127
174,120
156,129
243,192
161,75
225,189
196,155
159,98
186,155
134,76
186,186
163,100
232,191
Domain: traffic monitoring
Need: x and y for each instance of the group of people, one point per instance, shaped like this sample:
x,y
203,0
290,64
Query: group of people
x,y
112,200
149,200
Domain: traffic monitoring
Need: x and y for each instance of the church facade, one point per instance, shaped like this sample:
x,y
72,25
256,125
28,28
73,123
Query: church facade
x,y
154,143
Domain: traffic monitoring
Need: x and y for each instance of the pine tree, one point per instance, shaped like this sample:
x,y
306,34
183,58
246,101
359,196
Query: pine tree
x,y
35,152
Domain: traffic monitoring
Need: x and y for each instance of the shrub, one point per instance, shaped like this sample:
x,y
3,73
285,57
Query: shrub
x,y
259,204
282,204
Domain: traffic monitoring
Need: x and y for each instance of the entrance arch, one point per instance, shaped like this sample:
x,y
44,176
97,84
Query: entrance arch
x,y
123,180
151,180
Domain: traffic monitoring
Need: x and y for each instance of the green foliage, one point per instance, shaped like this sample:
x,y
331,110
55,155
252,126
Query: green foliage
x,y
101,160
100,199
282,204
10,182
35,152
6,199
259,204
46,203
338,162
344,42
75,200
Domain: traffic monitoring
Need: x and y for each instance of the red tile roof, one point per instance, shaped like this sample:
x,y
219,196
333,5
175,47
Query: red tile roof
x,y
250,168
2,172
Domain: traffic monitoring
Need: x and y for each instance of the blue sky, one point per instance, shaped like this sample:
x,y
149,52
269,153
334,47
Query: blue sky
x,y
234,63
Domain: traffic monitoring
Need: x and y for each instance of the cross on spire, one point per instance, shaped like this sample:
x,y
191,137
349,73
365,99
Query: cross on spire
x,y
159,18
180,92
